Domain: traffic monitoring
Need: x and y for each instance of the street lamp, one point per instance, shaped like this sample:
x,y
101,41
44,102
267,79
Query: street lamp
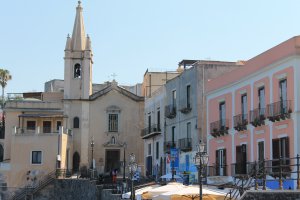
x,y
200,161
173,157
92,165
132,166
124,164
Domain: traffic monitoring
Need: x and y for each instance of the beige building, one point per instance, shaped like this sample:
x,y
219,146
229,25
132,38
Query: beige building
x,y
56,128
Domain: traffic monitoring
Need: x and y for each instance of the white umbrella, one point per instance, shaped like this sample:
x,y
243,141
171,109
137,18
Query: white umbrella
x,y
189,190
139,191
163,189
169,176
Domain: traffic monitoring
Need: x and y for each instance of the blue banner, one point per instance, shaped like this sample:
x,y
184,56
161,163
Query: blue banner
x,y
175,154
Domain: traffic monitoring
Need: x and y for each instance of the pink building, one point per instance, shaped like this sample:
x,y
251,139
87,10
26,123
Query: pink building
x,y
253,112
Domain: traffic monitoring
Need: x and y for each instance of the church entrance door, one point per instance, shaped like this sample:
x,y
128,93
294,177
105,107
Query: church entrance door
x,y
112,159
76,161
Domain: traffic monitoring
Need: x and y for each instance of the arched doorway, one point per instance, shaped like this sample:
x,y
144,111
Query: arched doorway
x,y
1,153
76,161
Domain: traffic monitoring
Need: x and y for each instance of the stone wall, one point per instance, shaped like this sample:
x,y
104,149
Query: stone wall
x,y
69,189
271,194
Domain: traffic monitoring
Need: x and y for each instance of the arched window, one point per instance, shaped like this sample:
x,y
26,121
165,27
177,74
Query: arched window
x,y
76,122
77,71
113,140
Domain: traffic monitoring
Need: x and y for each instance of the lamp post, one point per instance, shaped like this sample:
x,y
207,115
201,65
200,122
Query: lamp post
x,y
132,166
92,165
124,164
173,163
200,161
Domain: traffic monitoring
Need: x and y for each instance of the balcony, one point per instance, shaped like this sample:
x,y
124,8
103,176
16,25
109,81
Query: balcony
x,y
170,111
240,122
185,144
40,131
187,109
219,128
168,145
217,170
280,110
258,116
151,131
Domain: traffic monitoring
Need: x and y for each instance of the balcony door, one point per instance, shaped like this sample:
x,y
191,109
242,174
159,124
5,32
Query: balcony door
x,y
261,101
283,95
222,113
241,159
261,153
221,162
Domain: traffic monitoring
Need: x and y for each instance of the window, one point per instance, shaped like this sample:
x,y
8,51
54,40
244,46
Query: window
x,y
112,122
188,130
149,149
77,71
157,150
173,137
58,124
261,100
46,126
31,125
149,122
158,120
283,95
244,107
36,157
188,96
76,122
174,98
222,113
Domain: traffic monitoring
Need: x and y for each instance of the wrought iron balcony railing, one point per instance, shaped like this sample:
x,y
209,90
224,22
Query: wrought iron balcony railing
x,y
280,110
185,144
187,109
240,122
151,131
170,111
219,128
258,116
217,170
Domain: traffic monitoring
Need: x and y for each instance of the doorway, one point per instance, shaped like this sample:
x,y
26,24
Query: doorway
x,y
221,162
112,160
76,161
241,159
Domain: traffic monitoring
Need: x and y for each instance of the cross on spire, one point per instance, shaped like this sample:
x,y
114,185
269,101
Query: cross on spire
x,y
114,76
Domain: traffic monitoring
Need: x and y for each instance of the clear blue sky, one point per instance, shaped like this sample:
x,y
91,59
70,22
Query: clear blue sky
x,y
129,36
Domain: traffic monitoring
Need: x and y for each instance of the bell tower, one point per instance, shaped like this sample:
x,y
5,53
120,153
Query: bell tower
x,y
78,61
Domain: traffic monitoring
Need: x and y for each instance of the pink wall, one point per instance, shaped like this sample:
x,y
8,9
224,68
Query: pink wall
x,y
281,51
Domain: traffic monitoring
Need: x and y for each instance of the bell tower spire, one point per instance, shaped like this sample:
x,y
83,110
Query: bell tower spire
x,y
78,61
78,36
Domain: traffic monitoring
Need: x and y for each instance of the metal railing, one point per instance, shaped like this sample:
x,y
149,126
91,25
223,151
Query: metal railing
x,y
219,128
170,111
32,189
185,144
279,110
155,128
240,122
217,170
258,116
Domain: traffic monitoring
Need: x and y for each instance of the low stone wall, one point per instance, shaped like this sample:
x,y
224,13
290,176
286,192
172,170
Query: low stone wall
x,y
69,189
271,195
